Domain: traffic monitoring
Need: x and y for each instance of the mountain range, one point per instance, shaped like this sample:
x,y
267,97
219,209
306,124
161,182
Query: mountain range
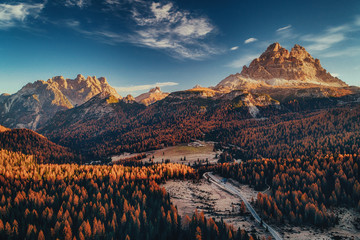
x,y
35,103
88,116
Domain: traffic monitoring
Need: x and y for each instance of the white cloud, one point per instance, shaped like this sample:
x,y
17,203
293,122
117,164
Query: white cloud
x,y
234,48
112,2
161,12
72,23
283,28
77,3
156,25
333,35
13,14
341,29
348,52
244,60
286,33
324,41
357,21
193,27
179,32
250,40
144,87
335,75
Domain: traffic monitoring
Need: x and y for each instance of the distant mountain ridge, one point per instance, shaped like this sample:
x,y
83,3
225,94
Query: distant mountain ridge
x,y
278,74
154,95
277,67
37,102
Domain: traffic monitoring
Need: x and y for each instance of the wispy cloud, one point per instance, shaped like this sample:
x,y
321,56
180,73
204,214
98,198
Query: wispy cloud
x,y
323,41
158,25
12,15
283,28
130,89
250,40
78,3
285,33
349,52
179,32
332,36
234,48
357,20
113,2
243,60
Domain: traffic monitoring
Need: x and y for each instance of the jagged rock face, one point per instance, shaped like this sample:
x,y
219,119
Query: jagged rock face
x,y
280,68
128,99
154,95
37,102
81,89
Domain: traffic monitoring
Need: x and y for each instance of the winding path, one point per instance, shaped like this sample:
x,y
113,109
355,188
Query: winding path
x,y
230,188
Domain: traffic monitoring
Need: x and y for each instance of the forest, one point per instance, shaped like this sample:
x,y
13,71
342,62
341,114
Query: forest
x,y
31,143
70,201
302,189
309,158
291,130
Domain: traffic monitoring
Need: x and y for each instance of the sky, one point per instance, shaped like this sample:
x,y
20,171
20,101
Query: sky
x,y
140,44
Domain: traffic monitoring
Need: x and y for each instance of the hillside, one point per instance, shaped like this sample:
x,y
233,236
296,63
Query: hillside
x,y
105,125
182,116
31,143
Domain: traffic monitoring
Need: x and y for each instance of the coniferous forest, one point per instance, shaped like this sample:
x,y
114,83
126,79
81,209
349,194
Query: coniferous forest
x,y
206,120
70,201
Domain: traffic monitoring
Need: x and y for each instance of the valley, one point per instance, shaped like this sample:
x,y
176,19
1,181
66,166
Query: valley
x,y
197,152
272,152
214,202
217,203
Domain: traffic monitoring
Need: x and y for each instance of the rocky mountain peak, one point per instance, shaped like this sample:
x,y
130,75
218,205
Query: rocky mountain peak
x,y
154,95
59,80
103,80
275,47
277,67
155,90
299,52
42,99
129,99
80,77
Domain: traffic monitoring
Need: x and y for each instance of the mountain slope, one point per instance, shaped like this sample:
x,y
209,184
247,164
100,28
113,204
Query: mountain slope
x,y
277,67
94,123
289,84
31,143
37,102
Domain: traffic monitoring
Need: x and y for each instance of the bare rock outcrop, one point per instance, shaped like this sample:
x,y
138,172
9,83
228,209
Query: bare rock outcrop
x,y
154,95
37,102
128,99
277,67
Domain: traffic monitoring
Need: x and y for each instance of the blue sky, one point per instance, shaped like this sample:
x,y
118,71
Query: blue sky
x,y
137,44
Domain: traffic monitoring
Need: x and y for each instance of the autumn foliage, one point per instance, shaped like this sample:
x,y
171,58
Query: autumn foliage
x,y
70,201
32,143
302,189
